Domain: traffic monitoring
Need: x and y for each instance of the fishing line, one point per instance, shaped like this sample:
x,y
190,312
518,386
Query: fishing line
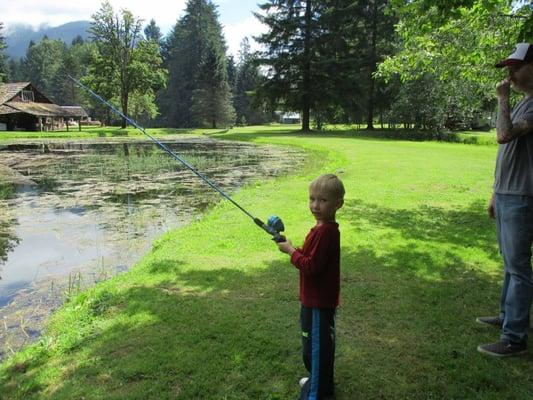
x,y
274,225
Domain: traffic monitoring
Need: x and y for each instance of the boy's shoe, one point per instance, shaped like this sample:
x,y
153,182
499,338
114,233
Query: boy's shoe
x,y
502,348
303,381
492,321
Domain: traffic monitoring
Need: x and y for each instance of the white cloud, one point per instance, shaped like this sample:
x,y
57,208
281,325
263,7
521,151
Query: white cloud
x,y
57,12
165,13
235,33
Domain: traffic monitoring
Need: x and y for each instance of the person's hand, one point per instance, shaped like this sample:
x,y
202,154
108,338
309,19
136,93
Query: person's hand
x,y
490,207
503,89
286,247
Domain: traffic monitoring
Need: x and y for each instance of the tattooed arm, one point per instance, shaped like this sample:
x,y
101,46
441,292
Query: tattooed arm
x,y
506,131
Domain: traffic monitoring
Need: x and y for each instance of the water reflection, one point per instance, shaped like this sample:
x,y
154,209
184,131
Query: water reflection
x,y
95,209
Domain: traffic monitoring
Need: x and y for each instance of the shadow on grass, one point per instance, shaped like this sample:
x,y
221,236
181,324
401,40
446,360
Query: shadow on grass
x,y
467,227
361,134
231,334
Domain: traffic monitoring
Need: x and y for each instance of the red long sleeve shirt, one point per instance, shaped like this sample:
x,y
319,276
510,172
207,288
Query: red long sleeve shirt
x,y
319,264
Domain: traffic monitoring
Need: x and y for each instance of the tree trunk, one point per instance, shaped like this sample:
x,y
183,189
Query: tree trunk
x,y
370,106
125,99
306,105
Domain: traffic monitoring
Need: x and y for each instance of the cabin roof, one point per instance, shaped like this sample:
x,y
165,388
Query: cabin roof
x,y
10,90
76,111
40,109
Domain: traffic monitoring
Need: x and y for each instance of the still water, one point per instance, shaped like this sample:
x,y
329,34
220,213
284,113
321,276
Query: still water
x,y
83,212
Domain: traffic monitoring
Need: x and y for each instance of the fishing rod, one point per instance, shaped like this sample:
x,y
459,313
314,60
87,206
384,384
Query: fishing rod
x,y
274,224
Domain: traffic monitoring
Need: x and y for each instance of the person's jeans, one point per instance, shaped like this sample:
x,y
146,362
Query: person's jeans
x,y
514,225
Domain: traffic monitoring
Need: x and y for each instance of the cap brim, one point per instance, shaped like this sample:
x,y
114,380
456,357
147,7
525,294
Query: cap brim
x,y
507,62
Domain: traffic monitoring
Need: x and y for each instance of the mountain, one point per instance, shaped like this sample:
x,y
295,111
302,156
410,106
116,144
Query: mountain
x,y
18,36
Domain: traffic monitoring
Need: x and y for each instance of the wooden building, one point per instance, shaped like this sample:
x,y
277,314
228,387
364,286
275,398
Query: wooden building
x,y
24,108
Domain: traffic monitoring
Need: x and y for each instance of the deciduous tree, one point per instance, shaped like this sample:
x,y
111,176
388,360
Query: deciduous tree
x,y
128,60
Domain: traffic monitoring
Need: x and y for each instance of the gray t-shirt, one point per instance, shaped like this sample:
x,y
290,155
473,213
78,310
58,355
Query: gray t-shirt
x,y
514,163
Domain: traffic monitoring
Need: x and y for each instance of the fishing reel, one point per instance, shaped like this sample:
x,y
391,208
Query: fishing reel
x,y
275,225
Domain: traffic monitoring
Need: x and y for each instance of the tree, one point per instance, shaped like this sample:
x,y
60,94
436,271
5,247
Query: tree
x,y
211,100
75,63
378,26
321,56
4,67
153,33
16,73
247,108
77,41
231,72
457,46
289,54
42,63
129,62
197,63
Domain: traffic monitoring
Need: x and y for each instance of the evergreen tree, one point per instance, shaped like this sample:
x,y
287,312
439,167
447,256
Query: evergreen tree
x,y
211,100
16,73
291,44
232,73
42,63
375,26
322,56
78,40
247,109
75,63
4,67
198,89
153,33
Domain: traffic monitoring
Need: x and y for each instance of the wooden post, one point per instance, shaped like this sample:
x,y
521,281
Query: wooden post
x,y
66,123
79,124
40,124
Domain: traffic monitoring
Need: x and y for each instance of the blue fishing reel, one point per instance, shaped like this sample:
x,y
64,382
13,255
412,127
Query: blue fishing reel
x,y
275,225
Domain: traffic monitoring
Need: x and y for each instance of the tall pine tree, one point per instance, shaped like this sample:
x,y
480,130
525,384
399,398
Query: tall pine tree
x,y
290,54
4,67
42,63
247,111
198,91
75,60
321,56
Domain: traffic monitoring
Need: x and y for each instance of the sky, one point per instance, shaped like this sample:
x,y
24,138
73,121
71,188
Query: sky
x,y
235,15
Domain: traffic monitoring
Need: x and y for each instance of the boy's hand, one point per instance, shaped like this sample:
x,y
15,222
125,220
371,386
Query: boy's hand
x,y
286,247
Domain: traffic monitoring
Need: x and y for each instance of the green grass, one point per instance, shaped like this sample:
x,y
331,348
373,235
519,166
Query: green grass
x,y
212,312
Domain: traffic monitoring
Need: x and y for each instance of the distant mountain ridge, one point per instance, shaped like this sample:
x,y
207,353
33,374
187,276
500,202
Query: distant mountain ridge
x,y
19,36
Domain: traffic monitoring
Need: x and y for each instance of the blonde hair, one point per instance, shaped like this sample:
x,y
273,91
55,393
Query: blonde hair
x,y
329,183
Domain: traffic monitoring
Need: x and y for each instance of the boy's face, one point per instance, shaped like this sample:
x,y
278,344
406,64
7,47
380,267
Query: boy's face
x,y
323,205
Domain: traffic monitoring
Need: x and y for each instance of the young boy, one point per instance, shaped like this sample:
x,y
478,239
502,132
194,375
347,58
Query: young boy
x,y
319,264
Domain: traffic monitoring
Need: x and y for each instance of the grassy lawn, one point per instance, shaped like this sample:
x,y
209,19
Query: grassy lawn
x,y
212,311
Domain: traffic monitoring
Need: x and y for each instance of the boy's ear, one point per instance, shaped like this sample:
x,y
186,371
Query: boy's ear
x,y
340,203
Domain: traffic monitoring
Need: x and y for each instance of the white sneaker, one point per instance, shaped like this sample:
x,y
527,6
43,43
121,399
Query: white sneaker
x,y
303,381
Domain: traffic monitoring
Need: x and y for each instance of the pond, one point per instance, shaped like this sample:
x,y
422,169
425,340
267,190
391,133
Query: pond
x,y
73,214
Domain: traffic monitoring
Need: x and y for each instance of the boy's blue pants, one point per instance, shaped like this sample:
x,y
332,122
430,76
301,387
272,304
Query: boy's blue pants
x,y
318,350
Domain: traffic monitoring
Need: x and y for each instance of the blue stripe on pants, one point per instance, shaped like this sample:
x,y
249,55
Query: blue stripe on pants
x,y
315,354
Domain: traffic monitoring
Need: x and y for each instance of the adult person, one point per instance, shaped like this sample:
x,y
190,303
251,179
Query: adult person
x,y
512,204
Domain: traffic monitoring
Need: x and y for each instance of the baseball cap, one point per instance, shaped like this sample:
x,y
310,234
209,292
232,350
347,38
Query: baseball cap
x,y
523,52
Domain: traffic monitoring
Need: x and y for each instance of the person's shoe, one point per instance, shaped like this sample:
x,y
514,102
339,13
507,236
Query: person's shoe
x,y
492,321
303,381
502,348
